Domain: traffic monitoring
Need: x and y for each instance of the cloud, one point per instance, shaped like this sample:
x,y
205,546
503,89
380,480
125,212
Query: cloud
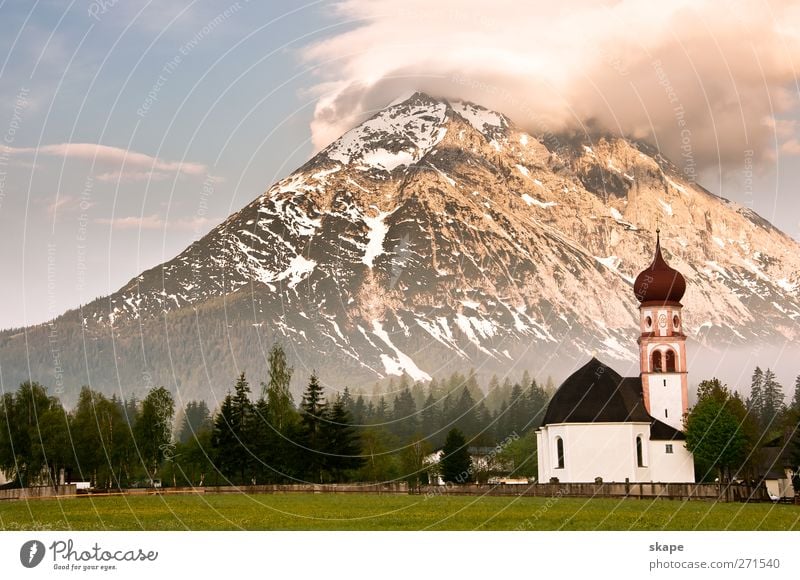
x,y
696,77
791,147
129,176
107,155
156,222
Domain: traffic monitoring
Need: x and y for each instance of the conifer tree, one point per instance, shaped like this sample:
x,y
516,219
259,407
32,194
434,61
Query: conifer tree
x,y
772,403
755,402
231,438
313,419
196,418
456,464
405,422
429,420
341,442
464,414
381,411
359,411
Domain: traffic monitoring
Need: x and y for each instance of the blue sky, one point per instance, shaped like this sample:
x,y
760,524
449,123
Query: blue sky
x,y
134,127
229,103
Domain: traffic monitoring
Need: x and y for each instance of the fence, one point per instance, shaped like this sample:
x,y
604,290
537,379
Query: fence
x,y
39,492
679,491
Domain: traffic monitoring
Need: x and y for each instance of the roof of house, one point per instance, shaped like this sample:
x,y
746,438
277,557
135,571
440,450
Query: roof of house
x,y
596,393
774,457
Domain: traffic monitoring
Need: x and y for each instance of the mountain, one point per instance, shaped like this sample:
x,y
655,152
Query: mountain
x,y
435,236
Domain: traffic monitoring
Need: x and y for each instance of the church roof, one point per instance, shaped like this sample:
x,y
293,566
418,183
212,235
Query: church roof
x,y
662,432
596,393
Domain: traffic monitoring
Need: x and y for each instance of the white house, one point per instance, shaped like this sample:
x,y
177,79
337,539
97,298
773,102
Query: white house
x,y
599,424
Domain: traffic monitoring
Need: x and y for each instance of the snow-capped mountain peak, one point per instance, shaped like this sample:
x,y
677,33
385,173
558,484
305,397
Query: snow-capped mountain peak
x,y
437,235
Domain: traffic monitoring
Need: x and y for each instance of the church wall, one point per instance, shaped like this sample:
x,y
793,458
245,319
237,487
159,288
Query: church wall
x,y
677,467
543,456
591,450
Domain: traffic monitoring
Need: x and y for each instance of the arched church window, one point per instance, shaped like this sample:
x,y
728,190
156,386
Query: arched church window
x,y
560,452
639,451
656,361
670,361
676,322
648,321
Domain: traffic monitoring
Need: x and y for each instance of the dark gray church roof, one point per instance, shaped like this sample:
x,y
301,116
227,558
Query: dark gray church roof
x,y
596,393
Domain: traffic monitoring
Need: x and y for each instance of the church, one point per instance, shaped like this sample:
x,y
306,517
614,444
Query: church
x,y
601,425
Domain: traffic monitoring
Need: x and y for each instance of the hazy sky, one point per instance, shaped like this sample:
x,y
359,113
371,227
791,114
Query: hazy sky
x,y
131,128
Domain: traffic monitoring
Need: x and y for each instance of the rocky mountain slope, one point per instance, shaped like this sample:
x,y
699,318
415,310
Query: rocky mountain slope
x,y
434,236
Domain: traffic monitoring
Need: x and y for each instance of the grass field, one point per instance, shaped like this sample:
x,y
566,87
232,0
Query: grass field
x,y
386,512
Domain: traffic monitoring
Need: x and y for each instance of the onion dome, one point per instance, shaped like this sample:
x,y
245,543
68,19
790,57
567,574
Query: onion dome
x,y
658,282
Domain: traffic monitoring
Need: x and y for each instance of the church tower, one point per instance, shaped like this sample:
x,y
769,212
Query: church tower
x,y
662,343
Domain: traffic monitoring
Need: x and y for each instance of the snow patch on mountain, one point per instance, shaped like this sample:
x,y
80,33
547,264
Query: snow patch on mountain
x,y
533,201
375,236
395,137
479,117
402,362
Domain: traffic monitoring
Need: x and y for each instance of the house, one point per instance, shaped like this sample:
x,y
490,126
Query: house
x,y
776,468
600,425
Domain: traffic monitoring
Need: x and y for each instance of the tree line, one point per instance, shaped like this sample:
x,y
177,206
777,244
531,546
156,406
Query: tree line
x,y
107,441
728,433
266,437
262,435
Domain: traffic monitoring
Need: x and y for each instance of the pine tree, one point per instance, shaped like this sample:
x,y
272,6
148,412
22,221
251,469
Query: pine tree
x,y
196,418
359,411
405,422
381,412
456,464
430,419
464,414
347,400
536,405
471,384
313,418
772,401
516,407
341,443
418,394
502,422
226,445
483,431
755,402
232,438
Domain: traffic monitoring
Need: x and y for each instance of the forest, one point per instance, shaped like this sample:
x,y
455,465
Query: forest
x,y
260,434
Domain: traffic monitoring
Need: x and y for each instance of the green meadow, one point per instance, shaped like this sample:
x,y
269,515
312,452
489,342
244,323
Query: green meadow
x,y
386,512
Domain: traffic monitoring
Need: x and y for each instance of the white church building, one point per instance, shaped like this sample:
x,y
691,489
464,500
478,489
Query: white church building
x,y
599,424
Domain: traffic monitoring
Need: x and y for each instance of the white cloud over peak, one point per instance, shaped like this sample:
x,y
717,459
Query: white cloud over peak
x,y
699,78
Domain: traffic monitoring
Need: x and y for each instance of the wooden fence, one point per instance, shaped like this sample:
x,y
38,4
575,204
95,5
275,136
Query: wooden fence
x,y
676,491
679,491
39,492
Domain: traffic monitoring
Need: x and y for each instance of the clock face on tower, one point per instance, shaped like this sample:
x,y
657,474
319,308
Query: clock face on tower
x,y
662,320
